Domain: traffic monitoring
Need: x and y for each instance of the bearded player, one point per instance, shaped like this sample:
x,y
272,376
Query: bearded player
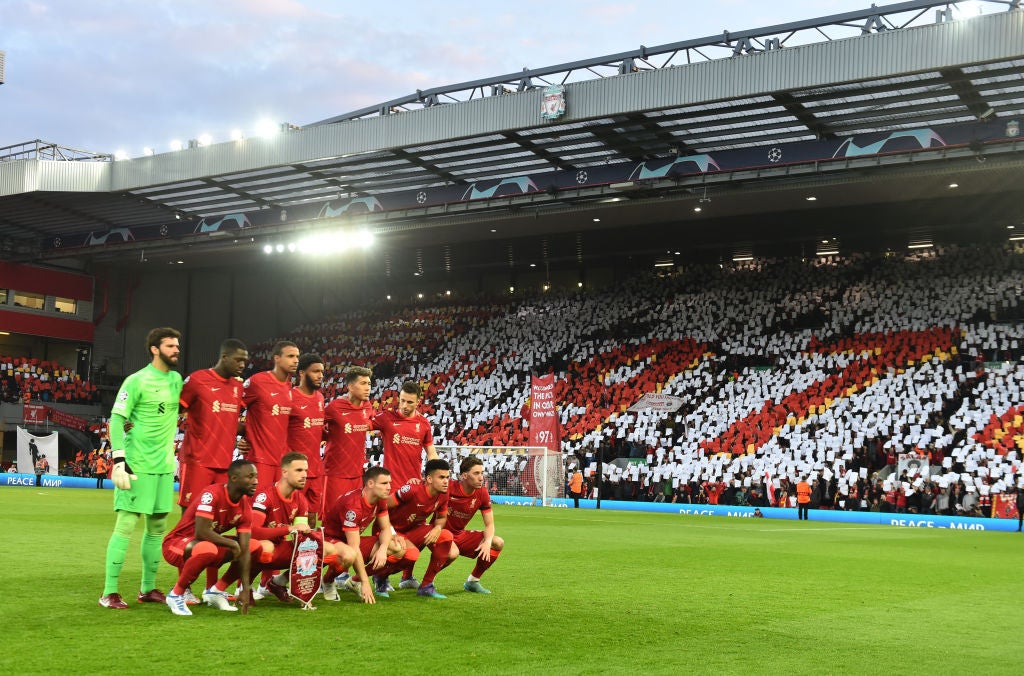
x,y
465,498
198,541
212,401
268,402
306,428
278,512
406,435
409,508
348,422
143,463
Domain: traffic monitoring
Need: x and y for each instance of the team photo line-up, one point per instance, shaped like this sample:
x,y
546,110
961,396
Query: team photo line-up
x,y
263,478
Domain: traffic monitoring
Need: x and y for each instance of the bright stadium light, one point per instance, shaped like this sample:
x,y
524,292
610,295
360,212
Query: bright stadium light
x,y
970,8
120,155
267,249
279,248
147,151
176,144
237,135
205,140
265,128
364,239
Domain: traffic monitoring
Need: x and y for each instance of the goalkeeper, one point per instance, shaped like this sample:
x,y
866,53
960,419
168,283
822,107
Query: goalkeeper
x,y
143,463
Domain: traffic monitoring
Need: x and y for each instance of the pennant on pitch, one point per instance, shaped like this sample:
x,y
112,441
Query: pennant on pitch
x,y
304,571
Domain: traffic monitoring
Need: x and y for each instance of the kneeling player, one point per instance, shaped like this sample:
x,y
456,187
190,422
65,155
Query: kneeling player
x,y
349,516
198,541
464,499
278,511
409,508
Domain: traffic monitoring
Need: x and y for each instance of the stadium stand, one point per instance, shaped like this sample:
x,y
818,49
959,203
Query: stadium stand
x,y
832,367
30,379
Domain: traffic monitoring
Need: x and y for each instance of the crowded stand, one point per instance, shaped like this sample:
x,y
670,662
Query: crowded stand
x,y
26,379
887,381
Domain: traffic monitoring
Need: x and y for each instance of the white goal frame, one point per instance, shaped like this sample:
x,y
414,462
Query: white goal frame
x,y
518,471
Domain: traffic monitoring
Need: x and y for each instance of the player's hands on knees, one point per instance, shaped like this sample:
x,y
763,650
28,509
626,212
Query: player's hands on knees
x,y
483,552
431,537
236,550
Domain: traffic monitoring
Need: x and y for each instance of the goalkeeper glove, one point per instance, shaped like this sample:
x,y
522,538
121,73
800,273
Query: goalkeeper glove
x,y
121,473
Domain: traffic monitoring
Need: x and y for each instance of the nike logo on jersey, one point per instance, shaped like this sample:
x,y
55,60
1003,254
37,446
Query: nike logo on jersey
x,y
214,389
274,394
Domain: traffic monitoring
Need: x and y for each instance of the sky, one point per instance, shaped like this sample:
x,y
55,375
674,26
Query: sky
x,y
108,75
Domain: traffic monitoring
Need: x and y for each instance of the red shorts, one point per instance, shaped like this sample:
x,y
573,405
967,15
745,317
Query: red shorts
x,y
281,560
416,534
195,477
366,543
267,474
467,541
314,492
174,550
337,486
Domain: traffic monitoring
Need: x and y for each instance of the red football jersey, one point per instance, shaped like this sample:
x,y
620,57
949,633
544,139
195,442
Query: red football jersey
x,y
351,512
347,426
306,428
213,404
462,506
268,403
415,506
214,503
273,516
404,441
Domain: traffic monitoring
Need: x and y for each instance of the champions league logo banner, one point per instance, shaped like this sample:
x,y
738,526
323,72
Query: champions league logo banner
x,y
32,448
304,571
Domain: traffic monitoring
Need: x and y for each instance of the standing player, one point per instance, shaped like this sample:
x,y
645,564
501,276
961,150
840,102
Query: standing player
x,y
348,422
197,542
143,463
406,435
212,400
348,518
268,403
306,428
464,499
410,507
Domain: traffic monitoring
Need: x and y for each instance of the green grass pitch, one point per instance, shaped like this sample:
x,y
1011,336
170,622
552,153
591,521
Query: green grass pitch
x,y
575,592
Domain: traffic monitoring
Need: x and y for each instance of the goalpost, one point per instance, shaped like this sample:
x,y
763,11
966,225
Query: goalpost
x,y
524,471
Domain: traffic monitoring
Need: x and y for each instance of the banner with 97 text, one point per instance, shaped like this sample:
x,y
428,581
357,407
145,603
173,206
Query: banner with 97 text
x,y
545,429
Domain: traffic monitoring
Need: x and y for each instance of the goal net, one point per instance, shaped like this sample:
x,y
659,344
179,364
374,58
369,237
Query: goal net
x,y
525,471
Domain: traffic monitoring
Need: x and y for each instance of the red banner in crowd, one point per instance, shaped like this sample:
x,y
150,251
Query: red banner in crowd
x,y
34,414
68,420
304,572
544,428
38,414
1004,506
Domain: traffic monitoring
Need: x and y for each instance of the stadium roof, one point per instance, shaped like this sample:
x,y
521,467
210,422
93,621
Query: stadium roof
x,y
907,66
